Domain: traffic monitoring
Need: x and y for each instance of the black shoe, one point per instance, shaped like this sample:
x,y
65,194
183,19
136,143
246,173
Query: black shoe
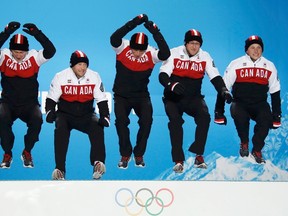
x,y
6,162
244,150
139,162
27,159
258,157
123,163
199,162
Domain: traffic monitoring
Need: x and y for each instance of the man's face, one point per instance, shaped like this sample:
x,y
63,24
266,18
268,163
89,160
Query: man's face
x,y
192,47
80,69
18,55
254,51
137,53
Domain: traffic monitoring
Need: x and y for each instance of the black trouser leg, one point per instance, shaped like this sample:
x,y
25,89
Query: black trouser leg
x,y
6,134
175,129
122,110
144,111
61,141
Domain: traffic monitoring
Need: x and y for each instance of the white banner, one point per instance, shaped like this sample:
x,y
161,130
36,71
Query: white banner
x,y
185,198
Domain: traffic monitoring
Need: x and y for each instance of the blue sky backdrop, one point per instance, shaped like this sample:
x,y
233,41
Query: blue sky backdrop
x,y
88,24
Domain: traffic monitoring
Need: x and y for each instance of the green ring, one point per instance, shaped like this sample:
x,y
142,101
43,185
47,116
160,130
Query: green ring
x,y
150,213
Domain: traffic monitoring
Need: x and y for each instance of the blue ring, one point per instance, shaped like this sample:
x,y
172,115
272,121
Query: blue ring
x,y
116,197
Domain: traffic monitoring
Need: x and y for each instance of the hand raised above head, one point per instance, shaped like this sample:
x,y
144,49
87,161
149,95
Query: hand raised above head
x,y
141,18
151,27
11,27
31,29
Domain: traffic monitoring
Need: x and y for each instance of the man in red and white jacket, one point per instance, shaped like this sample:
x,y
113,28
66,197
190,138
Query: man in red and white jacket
x,y
74,90
251,77
19,68
182,76
135,60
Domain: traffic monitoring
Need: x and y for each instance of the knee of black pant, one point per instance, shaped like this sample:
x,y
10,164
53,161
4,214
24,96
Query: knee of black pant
x,y
61,128
241,122
35,112
5,115
34,128
37,121
203,119
175,122
4,119
176,119
145,121
122,122
30,140
95,129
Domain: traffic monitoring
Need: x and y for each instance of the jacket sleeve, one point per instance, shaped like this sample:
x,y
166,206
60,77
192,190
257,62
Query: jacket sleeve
x,y
164,51
50,105
220,104
276,103
116,37
49,49
219,84
164,79
3,38
103,108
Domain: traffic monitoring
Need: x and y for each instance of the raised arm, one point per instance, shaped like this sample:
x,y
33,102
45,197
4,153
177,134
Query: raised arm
x,y
8,30
116,37
164,51
49,49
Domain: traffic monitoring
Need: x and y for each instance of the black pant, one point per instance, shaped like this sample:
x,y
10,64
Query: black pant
x,y
87,124
260,113
195,107
30,114
143,109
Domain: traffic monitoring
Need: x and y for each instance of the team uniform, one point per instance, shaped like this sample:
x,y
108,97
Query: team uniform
x,y
131,85
189,71
131,91
19,98
19,80
132,75
250,82
75,110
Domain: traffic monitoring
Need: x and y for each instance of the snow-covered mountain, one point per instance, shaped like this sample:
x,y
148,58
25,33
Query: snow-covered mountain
x,y
231,168
236,168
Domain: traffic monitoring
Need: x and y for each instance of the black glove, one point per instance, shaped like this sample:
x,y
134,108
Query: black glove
x,y
104,121
50,116
151,27
31,29
175,87
141,18
276,121
11,27
227,96
220,118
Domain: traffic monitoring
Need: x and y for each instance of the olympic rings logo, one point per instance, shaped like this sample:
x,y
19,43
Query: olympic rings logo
x,y
144,199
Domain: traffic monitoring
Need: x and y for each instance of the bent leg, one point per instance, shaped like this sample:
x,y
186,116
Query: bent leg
x,y
61,141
